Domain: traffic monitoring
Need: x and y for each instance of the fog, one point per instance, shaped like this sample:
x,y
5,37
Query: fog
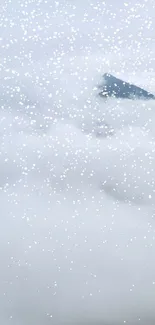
x,y
77,175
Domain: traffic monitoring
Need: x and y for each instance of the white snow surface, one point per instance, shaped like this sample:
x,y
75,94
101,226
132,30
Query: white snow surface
x,y
77,173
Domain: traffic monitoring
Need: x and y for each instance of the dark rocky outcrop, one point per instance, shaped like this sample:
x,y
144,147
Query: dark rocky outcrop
x,y
114,87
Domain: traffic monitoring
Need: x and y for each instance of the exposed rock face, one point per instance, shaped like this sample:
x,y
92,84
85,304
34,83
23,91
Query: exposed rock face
x,y
114,87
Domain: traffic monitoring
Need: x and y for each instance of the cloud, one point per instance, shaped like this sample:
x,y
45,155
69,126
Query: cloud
x,y
77,210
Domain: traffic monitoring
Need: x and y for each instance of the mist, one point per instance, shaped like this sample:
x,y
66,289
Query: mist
x,y
77,176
